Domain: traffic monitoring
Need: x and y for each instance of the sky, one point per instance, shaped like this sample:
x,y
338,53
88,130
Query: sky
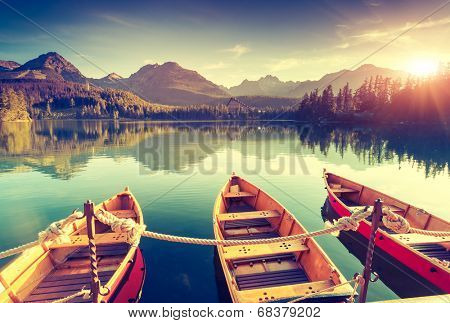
x,y
228,41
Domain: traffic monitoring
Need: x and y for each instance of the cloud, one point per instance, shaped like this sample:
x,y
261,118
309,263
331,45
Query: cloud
x,y
117,20
216,66
238,50
283,64
373,3
343,46
386,35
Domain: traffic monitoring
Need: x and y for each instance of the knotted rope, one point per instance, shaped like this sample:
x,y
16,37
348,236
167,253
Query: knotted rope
x,y
132,229
343,224
399,224
57,231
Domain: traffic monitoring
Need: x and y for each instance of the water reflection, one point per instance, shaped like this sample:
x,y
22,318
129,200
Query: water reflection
x,y
63,148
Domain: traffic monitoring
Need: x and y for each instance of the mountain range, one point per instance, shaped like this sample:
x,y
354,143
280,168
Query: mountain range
x,y
169,83
272,86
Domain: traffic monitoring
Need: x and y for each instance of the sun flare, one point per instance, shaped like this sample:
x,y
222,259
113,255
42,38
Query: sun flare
x,y
423,67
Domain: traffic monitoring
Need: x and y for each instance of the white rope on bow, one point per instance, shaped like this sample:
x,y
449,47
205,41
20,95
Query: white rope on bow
x,y
59,231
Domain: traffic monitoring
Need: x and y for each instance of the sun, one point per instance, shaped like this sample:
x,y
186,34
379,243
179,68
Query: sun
x,y
423,67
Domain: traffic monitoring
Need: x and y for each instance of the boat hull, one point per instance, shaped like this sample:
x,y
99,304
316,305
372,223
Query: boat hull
x,y
131,282
411,259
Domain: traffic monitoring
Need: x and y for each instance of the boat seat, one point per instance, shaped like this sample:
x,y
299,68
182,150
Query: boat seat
x,y
433,251
414,238
58,286
343,190
271,279
253,251
283,292
102,251
248,215
238,194
246,223
100,239
124,213
393,208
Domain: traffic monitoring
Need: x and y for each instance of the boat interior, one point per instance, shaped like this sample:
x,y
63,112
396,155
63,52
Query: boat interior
x,y
356,196
271,271
50,272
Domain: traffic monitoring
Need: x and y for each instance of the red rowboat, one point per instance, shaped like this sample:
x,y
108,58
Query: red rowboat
x,y
53,271
428,256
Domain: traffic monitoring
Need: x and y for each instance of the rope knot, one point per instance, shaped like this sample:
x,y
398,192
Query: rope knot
x,y
347,223
395,222
59,230
132,229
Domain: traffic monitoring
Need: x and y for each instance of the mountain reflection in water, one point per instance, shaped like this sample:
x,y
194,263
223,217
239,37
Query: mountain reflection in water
x,y
63,148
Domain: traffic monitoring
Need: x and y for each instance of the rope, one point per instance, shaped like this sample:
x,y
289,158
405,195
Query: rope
x,y
134,230
57,231
399,224
19,249
358,280
86,293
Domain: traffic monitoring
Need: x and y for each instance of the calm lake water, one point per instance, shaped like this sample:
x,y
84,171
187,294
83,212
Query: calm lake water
x,y
48,168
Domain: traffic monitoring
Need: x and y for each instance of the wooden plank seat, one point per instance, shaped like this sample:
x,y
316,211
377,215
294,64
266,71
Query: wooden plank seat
x,y
246,223
58,286
100,239
271,279
393,208
414,238
343,190
252,251
102,251
289,291
433,251
124,213
248,215
238,194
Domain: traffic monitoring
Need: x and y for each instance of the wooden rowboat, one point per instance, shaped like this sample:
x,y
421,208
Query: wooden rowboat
x,y
423,254
53,271
275,271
